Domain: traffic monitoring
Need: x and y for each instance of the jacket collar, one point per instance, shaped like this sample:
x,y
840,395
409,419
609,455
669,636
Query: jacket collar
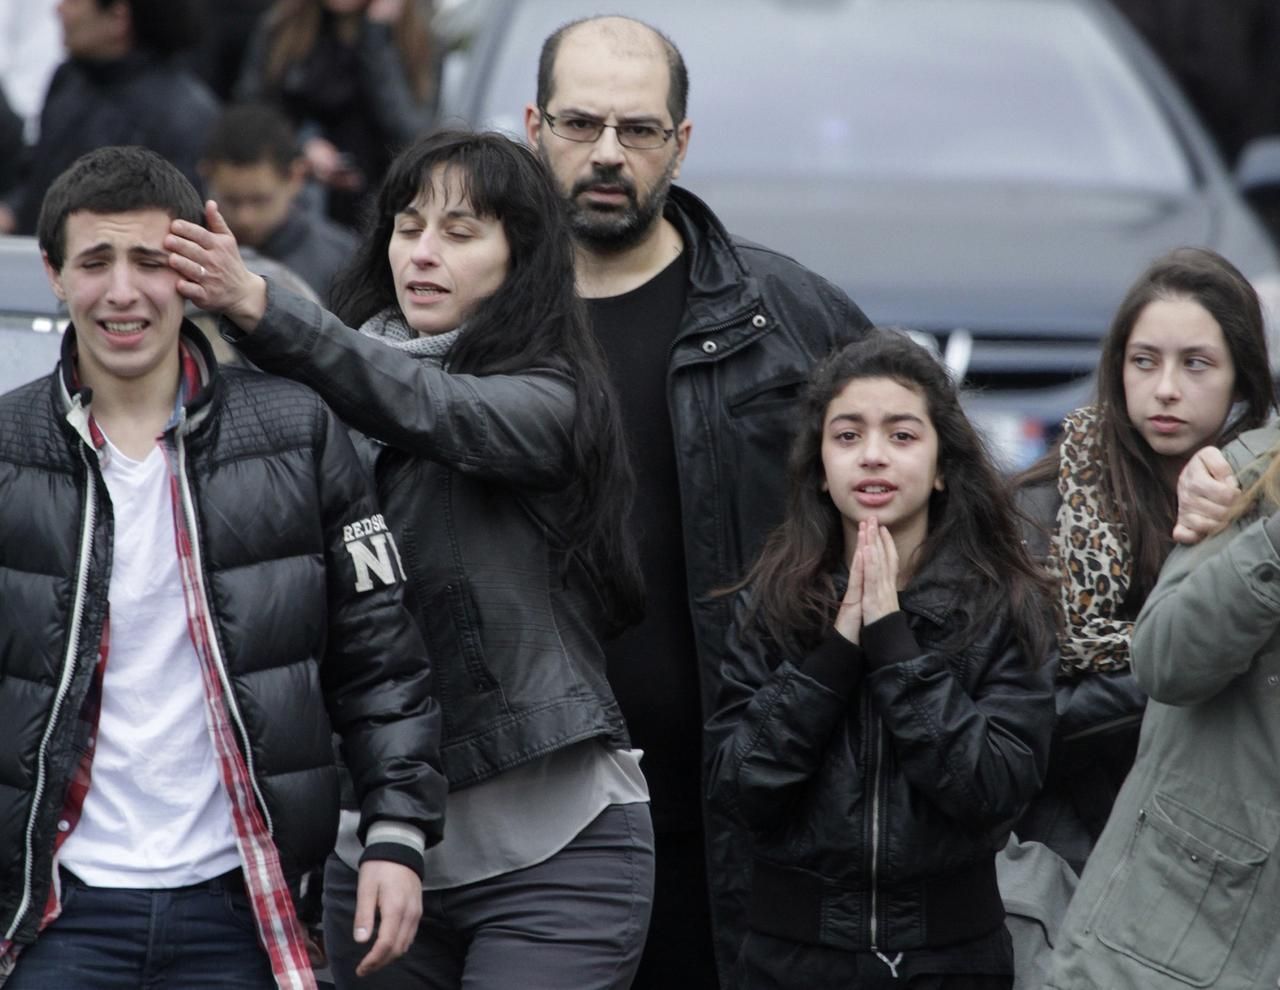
x,y
937,589
721,287
196,392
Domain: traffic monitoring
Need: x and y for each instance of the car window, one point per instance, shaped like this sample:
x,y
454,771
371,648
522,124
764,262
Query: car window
x,y
29,348
945,89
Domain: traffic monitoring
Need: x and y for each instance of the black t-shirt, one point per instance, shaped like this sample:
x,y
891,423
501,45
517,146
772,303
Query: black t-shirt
x,y
653,666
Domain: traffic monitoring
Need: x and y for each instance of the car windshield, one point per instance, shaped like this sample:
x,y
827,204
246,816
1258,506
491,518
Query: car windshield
x,y
950,90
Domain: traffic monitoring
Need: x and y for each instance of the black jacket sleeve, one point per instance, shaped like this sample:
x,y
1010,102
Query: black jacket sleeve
x,y
375,672
774,716
516,429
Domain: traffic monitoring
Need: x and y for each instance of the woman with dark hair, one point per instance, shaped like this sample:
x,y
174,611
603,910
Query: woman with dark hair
x,y
1181,889
1183,365
356,77
499,462
885,707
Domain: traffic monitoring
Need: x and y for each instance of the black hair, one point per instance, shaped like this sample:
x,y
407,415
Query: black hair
x,y
249,133
1133,478
535,318
114,179
677,91
972,517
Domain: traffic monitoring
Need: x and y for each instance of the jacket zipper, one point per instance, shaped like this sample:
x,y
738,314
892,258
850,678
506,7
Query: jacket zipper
x,y
878,763
188,510
878,749
64,686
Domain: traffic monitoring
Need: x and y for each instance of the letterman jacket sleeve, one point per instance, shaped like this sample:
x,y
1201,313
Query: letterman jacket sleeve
x,y
774,718
979,756
511,429
375,673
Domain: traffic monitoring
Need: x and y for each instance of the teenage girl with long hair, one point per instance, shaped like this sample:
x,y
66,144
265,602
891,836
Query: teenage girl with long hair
x,y
1184,365
499,461
1182,885
885,709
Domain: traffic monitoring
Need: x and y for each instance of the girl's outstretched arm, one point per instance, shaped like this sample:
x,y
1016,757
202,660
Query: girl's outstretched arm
x,y
976,747
774,718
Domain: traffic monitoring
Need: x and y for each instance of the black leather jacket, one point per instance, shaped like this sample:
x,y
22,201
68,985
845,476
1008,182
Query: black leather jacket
x,y
472,473
754,323
879,782
273,492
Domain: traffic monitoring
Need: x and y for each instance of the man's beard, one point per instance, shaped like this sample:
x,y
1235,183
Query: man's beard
x,y
616,229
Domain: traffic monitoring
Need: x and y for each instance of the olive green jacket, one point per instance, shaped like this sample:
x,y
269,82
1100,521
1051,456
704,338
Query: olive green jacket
x,y
1183,888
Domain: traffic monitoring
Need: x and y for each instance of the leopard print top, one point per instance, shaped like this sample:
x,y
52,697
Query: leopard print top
x,y
1089,554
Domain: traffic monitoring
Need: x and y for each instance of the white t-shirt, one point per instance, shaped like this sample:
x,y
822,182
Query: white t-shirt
x,y
156,814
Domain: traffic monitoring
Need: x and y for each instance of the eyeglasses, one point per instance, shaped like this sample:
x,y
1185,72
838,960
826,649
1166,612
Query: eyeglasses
x,y
586,130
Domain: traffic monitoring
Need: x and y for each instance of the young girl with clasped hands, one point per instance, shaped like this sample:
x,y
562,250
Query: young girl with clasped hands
x,y
886,702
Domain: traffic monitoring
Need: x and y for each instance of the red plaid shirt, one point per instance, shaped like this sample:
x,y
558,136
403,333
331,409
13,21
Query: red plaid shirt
x,y
278,928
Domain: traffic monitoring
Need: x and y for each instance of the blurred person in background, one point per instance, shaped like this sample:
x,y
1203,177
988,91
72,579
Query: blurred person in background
x,y
356,77
221,52
709,340
253,168
10,137
30,50
123,83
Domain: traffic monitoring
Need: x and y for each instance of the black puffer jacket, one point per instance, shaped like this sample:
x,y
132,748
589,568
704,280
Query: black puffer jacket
x,y
278,502
473,472
879,782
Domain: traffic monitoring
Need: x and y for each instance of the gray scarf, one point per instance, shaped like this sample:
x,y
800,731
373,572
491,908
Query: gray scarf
x,y
389,327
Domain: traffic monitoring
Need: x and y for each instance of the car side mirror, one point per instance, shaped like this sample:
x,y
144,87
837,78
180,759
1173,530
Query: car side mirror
x,y
1258,167
1257,176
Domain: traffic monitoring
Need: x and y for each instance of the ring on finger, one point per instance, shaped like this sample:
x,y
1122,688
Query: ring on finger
x,y
202,273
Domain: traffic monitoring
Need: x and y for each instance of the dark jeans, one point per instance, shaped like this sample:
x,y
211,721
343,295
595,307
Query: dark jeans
x,y
186,938
574,922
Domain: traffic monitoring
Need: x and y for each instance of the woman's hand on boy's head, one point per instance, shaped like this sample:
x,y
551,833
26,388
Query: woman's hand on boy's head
x,y
849,614
1207,489
880,571
213,275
